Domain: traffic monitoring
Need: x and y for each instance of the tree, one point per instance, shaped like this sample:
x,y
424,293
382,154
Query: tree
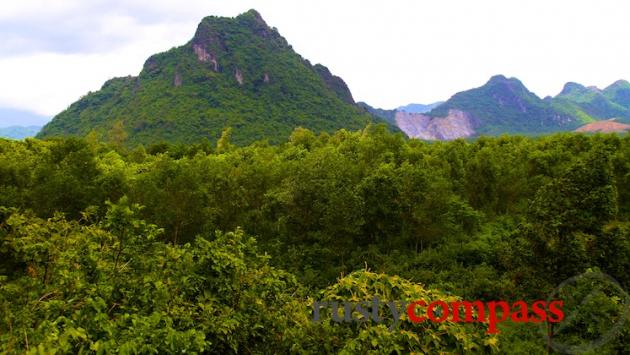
x,y
117,134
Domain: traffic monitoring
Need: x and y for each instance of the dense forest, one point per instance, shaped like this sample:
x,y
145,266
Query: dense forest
x,y
215,248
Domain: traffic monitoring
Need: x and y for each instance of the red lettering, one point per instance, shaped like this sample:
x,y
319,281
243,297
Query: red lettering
x,y
521,315
431,313
557,311
492,319
468,309
538,308
411,311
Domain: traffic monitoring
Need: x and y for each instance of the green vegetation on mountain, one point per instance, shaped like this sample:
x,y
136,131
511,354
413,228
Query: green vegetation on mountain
x,y
619,93
589,103
388,116
222,249
505,105
235,72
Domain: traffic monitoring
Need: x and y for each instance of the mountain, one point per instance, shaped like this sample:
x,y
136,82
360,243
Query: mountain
x,y
19,132
235,72
14,117
386,115
591,103
390,115
502,105
619,93
505,105
419,108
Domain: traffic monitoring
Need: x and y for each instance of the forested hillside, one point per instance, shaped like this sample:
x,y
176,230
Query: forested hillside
x,y
592,103
235,72
505,105
223,249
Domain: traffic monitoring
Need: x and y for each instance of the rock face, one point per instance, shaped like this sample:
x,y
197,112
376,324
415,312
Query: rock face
x,y
334,83
177,80
204,56
457,124
238,76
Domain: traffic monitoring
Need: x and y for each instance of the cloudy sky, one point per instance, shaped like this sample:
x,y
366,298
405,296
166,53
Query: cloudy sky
x,y
390,53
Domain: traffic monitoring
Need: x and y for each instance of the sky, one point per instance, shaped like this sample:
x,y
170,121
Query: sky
x,y
390,53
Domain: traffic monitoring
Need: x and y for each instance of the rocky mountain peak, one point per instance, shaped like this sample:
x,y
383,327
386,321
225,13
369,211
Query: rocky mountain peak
x,y
505,85
254,15
619,84
235,72
572,87
498,79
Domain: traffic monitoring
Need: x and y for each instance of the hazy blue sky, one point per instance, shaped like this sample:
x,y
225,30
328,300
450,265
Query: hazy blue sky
x,y
389,52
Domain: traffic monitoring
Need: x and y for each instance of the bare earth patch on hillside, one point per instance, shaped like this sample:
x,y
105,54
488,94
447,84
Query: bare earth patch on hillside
x,y
608,126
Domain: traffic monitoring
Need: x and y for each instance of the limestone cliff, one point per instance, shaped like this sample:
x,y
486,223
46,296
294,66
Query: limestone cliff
x,y
457,124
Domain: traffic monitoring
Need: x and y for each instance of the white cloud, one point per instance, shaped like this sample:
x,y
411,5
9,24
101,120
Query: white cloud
x,y
47,83
389,53
36,8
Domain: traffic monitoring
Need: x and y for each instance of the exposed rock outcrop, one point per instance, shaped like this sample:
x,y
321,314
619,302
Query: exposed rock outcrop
x,y
204,56
177,80
457,124
334,83
238,75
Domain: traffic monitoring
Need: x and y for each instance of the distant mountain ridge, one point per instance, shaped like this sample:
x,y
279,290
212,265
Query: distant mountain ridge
x,y
593,103
14,117
505,105
235,72
619,92
390,115
419,108
384,114
19,132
